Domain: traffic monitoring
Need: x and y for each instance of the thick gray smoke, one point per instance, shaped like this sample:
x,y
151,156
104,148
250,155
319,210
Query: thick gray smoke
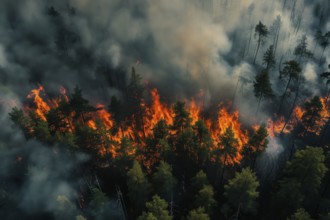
x,y
179,46
190,45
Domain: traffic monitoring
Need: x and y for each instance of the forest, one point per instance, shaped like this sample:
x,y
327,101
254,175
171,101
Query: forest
x,y
189,110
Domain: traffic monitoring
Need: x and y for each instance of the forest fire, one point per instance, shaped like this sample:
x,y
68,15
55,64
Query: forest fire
x,y
165,109
157,111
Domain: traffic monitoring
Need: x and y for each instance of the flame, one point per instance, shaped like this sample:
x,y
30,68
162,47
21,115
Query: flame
x,y
224,121
41,106
157,111
325,114
194,111
92,124
104,116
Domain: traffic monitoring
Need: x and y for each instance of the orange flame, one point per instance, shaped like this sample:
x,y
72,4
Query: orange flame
x,y
41,106
104,116
157,112
194,111
226,120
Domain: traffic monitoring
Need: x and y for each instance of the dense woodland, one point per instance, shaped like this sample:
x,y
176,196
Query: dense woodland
x,y
141,155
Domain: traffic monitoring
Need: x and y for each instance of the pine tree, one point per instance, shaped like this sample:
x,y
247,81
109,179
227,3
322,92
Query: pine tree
x,y
157,209
135,92
182,118
292,71
301,180
269,58
202,141
228,146
198,214
322,40
301,50
262,32
312,115
300,214
257,143
198,181
241,192
98,202
262,87
79,105
275,31
21,121
163,181
205,199
138,186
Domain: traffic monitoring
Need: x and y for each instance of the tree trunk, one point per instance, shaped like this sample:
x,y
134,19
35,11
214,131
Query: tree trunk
x,y
284,3
310,124
293,105
238,211
283,96
255,56
248,47
322,195
324,131
233,101
291,150
254,162
293,11
258,104
322,54
223,169
83,118
277,35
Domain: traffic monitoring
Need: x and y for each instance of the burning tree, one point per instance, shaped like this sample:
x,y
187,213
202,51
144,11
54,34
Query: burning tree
x,y
312,116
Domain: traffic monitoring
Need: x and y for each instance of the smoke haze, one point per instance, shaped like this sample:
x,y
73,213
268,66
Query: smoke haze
x,y
181,47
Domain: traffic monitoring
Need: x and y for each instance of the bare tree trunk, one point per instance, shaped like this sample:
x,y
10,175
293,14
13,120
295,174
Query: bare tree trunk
x,y
258,104
238,211
324,131
284,3
255,56
223,169
254,162
321,197
322,54
293,11
233,101
293,105
276,40
283,96
248,47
